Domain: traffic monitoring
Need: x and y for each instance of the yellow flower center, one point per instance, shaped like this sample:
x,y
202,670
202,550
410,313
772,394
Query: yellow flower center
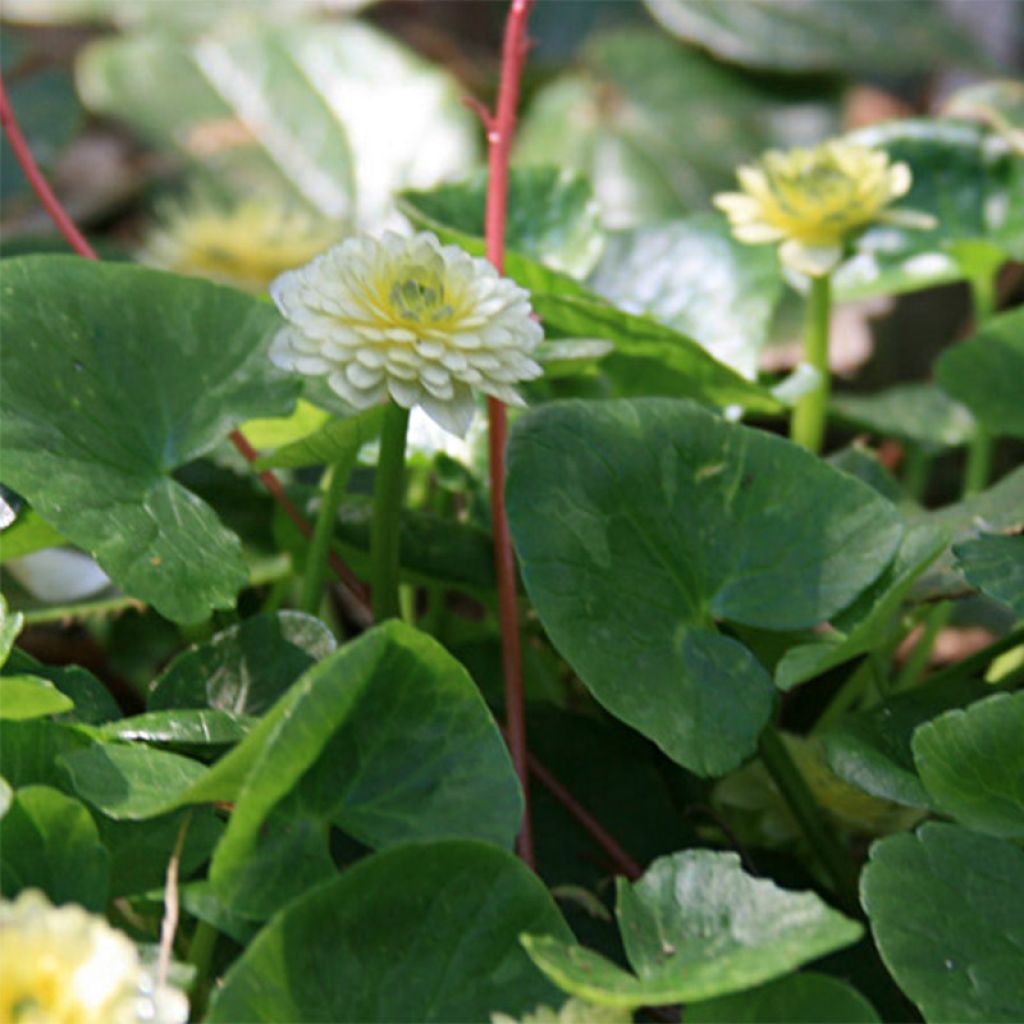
x,y
418,295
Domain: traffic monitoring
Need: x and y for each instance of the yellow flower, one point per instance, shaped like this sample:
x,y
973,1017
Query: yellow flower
x,y
410,319
245,245
575,1011
62,965
814,200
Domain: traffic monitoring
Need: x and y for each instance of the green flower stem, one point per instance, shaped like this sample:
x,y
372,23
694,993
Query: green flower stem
x,y
835,858
807,427
200,956
335,478
387,512
979,452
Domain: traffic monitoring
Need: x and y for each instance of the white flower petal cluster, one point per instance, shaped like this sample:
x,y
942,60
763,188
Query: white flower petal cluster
x,y
407,318
63,965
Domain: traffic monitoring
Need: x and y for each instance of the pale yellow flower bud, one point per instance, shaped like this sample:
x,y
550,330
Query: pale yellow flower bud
x,y
814,200
574,1011
245,245
409,319
62,965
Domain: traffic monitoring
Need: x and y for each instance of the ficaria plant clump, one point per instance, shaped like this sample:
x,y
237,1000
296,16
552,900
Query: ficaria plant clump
x,y
410,320
416,684
63,965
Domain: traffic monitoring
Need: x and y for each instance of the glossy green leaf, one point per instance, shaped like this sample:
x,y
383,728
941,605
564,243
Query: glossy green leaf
x,y
868,621
971,762
423,932
552,215
694,277
703,521
50,842
292,111
24,697
141,850
129,781
6,796
695,927
968,181
246,668
1000,104
804,998
682,366
985,373
187,726
388,739
946,908
658,128
995,565
337,442
114,376
818,35
871,749
919,413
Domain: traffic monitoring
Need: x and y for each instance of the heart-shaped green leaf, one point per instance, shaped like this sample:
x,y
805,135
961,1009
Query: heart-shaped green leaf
x,y
696,926
946,908
426,932
703,521
972,764
114,377
388,739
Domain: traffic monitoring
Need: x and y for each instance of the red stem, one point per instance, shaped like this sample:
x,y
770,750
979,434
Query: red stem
x,y
39,184
500,131
78,242
605,840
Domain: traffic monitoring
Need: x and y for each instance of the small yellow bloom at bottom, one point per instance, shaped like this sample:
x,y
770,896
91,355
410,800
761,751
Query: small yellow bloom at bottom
x,y
575,1011
63,965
